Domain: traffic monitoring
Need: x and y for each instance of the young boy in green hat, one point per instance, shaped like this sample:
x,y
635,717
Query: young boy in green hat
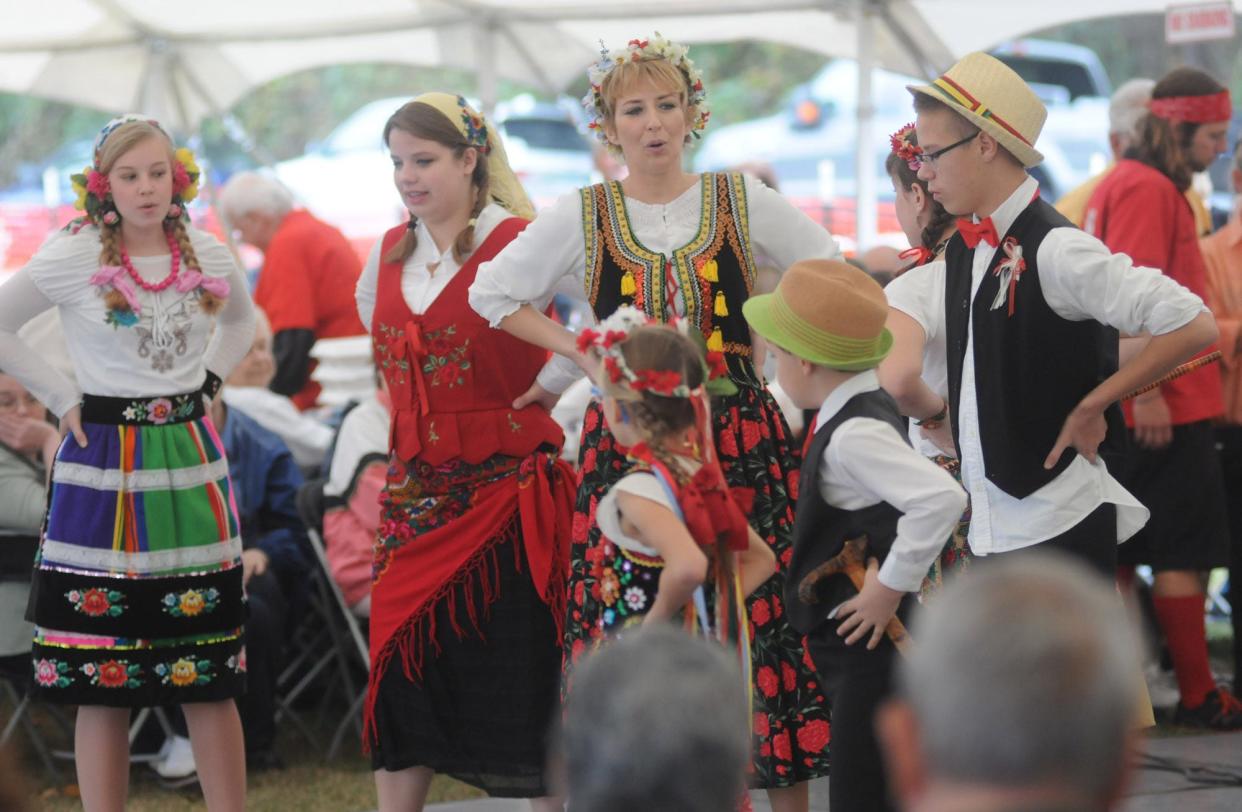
x,y
825,325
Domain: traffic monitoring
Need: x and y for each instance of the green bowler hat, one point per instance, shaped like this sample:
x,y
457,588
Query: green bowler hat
x,y
827,312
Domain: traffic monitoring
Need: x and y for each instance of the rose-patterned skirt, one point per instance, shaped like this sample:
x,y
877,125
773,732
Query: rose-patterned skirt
x,y
752,439
137,590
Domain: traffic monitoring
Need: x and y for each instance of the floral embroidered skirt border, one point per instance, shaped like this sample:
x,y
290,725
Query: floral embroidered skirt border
x,y
137,591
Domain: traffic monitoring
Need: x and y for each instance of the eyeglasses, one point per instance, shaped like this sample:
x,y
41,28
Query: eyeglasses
x,y
930,158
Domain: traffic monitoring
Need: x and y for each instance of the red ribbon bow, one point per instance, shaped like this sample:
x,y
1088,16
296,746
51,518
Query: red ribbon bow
x,y
973,232
917,256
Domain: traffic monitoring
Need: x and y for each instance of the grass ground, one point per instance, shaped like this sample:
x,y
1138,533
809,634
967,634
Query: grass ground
x,y
307,784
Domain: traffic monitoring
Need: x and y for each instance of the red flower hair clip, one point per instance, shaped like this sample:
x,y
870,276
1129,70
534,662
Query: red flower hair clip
x,y
905,147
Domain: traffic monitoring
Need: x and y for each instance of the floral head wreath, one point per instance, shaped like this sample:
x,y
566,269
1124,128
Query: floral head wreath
x,y
95,193
903,146
612,331
638,50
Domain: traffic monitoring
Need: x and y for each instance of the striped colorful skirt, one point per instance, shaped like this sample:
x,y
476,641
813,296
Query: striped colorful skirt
x,y
137,593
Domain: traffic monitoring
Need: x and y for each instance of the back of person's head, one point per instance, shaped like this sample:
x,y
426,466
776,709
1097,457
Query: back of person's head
x,y
1024,677
905,174
656,721
1164,142
652,349
253,193
1127,107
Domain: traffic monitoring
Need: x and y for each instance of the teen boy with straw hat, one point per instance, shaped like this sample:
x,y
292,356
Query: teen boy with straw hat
x,y
1033,307
825,325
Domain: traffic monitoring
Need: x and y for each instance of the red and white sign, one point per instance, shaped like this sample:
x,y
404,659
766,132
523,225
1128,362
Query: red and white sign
x,y
1198,22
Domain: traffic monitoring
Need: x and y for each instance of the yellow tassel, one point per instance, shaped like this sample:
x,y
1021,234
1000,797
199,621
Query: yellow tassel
x,y
716,342
721,309
710,271
628,288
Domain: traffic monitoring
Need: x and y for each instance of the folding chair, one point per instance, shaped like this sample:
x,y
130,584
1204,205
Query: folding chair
x,y
340,640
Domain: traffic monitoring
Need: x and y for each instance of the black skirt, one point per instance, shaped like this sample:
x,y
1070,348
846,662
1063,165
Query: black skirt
x,y
1182,485
482,710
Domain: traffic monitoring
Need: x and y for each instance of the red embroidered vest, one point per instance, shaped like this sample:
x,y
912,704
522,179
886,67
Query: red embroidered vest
x,y
453,379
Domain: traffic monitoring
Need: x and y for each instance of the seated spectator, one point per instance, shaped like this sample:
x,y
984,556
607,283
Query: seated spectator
x,y
247,391
28,444
1020,694
656,721
276,563
307,282
356,477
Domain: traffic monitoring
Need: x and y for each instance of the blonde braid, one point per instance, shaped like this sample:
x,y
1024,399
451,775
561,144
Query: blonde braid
x,y
188,258
110,253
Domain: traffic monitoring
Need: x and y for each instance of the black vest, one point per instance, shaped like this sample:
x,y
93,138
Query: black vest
x,y
1031,368
820,530
622,271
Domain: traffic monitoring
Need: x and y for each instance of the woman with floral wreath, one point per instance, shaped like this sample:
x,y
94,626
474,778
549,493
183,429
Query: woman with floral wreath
x,y
137,589
468,584
674,244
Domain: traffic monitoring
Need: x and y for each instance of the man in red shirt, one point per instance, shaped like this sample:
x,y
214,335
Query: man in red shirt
x,y
307,283
1174,469
1222,253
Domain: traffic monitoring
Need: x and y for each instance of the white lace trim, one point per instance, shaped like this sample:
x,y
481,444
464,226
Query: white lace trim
x,y
158,479
63,552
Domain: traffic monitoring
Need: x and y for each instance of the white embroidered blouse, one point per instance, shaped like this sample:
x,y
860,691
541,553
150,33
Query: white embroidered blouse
x,y
166,350
550,255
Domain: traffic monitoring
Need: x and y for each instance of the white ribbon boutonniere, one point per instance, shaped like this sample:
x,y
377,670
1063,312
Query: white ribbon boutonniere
x,y
1010,271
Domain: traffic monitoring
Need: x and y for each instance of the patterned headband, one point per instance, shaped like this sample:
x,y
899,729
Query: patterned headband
x,y
1207,109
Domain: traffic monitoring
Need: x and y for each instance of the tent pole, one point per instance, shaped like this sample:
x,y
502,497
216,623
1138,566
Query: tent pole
x,y
485,49
864,170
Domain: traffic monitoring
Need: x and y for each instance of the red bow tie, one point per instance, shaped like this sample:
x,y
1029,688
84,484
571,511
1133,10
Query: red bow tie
x,y
973,232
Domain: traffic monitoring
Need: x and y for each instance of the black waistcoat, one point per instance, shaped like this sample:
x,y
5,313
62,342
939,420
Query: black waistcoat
x,y
820,530
1032,367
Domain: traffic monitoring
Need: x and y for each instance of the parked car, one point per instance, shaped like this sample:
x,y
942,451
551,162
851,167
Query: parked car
x,y
810,143
347,178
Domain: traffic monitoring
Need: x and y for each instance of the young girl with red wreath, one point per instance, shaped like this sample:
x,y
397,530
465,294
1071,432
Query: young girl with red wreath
x,y
675,245
675,542
468,588
137,589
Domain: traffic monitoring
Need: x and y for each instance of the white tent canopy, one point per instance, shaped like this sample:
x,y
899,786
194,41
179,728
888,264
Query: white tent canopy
x,y
183,62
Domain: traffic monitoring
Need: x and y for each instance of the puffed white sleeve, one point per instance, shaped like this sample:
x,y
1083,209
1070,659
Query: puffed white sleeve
x,y
20,301
781,231
368,285
547,258
235,322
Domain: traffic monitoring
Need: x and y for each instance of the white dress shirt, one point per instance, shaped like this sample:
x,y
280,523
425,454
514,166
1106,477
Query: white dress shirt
x,y
1081,279
549,257
867,462
919,293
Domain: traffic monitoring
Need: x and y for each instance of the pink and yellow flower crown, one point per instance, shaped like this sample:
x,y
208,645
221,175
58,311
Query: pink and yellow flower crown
x,y
904,147
637,50
94,191
606,340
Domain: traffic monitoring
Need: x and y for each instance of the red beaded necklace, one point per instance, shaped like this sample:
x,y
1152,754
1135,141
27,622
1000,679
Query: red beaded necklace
x,y
155,287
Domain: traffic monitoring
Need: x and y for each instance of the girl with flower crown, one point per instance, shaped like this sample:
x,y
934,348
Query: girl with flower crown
x,y
915,373
468,582
674,541
674,245
137,591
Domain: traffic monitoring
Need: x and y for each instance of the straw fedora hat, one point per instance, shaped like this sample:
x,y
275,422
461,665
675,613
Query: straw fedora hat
x,y
827,312
987,92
